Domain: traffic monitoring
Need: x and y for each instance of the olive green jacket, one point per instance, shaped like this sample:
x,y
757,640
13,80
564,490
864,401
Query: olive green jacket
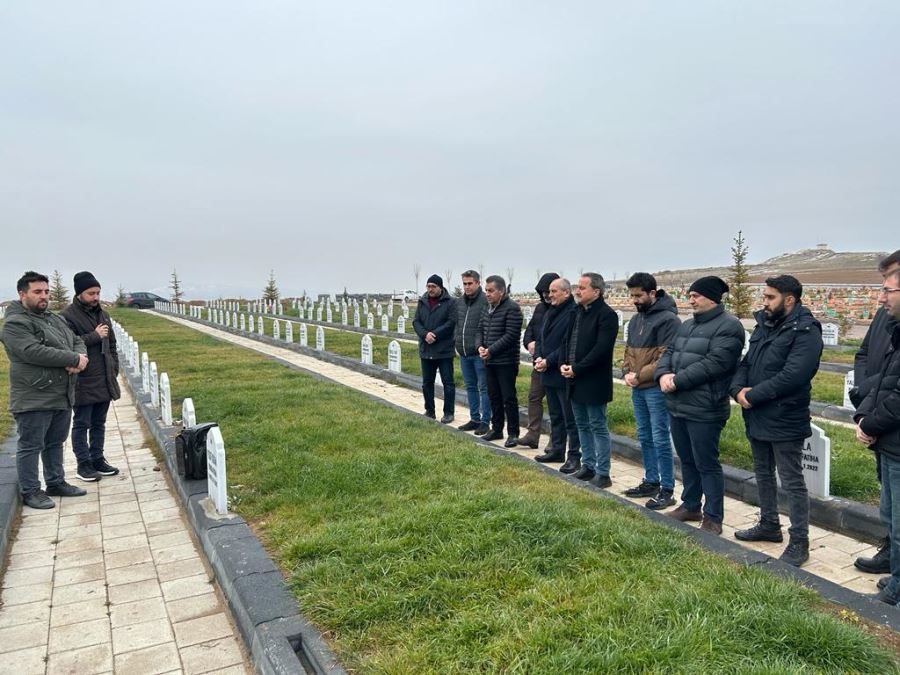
x,y
40,347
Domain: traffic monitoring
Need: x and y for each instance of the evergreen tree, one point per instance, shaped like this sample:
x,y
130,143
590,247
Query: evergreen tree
x,y
59,294
739,296
120,297
175,287
270,292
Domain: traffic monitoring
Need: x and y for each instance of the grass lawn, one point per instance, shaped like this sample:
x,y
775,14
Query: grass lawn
x,y
6,420
419,552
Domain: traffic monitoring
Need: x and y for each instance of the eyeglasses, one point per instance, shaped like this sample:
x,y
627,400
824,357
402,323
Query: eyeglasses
x,y
887,291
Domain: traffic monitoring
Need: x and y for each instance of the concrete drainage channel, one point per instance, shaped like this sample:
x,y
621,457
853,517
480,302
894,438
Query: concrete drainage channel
x,y
280,639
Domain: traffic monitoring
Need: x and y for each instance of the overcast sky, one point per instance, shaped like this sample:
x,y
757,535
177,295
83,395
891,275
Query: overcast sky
x,y
339,143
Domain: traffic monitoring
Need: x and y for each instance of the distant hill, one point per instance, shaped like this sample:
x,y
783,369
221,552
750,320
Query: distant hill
x,y
818,265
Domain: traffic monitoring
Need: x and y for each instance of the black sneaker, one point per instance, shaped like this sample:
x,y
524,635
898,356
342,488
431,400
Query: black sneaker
x,y
645,489
571,466
446,419
887,598
482,429
104,469
602,481
880,563
796,552
429,415
511,442
883,582
470,426
760,532
550,456
584,473
663,500
38,500
492,435
65,490
87,472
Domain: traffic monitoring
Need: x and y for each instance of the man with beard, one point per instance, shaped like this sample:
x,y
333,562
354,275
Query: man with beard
x,y
435,324
649,332
773,385
44,357
97,386
536,391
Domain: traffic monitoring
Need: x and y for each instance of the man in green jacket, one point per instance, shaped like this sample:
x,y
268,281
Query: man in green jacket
x,y
45,357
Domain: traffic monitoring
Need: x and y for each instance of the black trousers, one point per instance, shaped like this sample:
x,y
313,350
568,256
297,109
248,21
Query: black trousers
x,y
501,382
562,423
429,368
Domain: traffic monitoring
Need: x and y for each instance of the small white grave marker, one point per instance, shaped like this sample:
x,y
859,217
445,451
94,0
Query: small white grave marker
x,y
401,324
165,399
260,325
370,321
621,316
830,334
394,360
344,319
378,309
243,324
252,324
304,335
188,414
145,373
356,317
154,385
276,329
216,481
817,463
329,315
625,330
384,322
849,383
288,331
320,338
319,311
746,343
366,349
390,309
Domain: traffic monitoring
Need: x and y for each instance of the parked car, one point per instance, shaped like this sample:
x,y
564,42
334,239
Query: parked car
x,y
405,295
142,300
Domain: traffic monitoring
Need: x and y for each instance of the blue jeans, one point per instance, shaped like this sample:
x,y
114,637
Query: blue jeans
x,y
652,421
41,434
590,419
890,516
475,377
697,445
430,367
89,418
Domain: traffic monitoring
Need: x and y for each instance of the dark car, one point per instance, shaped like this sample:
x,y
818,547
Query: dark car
x,y
142,300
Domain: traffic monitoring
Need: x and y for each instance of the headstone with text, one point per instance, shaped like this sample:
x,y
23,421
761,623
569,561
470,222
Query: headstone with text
x,y
304,335
370,321
384,322
830,334
394,358
288,331
320,338
849,383
366,349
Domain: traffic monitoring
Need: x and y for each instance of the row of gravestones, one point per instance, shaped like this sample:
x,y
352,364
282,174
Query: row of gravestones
x,y
310,309
160,391
224,317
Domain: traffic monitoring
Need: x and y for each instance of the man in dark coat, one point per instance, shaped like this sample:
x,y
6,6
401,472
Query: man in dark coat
x,y
498,346
97,385
878,427
435,324
469,309
547,361
586,364
695,373
866,371
773,385
529,341
44,357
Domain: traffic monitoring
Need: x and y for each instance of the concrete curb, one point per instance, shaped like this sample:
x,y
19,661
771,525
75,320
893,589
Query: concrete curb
x,y
281,641
845,516
10,504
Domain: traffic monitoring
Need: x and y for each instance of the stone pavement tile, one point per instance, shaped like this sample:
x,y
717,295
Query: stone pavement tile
x,y
90,590
76,635
816,532
211,656
194,607
121,518
836,574
130,574
164,526
36,559
78,544
78,575
80,519
23,635
119,487
126,530
28,576
85,661
117,544
29,612
71,507
90,556
864,583
32,517
21,595
79,531
160,515
119,507
202,629
155,495
140,590
139,635
85,610
116,498
146,477
129,557
20,546
831,556
847,545
31,661
170,539
158,505
174,553
186,587
150,486
137,611
161,658
180,568
37,532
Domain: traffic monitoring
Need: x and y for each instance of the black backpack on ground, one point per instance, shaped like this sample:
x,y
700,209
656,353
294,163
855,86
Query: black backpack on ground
x,y
190,451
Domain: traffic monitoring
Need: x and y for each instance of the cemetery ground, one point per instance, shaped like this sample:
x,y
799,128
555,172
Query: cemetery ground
x,y
416,550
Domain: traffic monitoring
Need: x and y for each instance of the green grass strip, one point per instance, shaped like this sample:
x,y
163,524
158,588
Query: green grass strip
x,y
6,419
418,551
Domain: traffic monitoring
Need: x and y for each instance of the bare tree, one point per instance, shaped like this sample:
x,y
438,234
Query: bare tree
x,y
448,278
417,272
481,271
509,275
175,287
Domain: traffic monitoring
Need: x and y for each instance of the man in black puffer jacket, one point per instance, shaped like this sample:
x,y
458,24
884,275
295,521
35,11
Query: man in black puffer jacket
x,y
773,385
498,346
529,341
435,324
695,372
97,386
878,427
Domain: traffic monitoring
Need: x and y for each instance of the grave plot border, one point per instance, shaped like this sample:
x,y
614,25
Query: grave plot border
x,y
10,504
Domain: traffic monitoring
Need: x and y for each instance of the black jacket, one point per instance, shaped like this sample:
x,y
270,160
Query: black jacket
x,y
97,383
703,356
499,331
468,316
556,325
869,358
440,320
533,329
597,326
879,412
779,367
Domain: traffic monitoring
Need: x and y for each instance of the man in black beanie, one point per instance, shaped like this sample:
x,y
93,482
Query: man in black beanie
x,y
695,373
435,324
97,385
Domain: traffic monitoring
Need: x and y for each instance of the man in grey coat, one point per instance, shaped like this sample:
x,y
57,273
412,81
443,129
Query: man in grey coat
x,y
45,357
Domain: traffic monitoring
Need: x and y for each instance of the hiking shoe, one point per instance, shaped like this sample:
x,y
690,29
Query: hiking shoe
x,y
663,499
492,435
470,426
550,456
880,563
887,598
796,552
511,442
87,472
529,441
883,582
710,525
65,490
601,481
571,466
482,429
584,473
760,532
429,415
645,489
684,515
446,419
39,500
104,469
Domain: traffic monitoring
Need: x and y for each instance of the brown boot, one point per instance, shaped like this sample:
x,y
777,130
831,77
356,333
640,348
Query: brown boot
x,y
711,525
684,515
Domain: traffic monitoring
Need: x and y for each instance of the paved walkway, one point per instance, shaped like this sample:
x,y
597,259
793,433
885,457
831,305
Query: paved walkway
x,y
112,581
831,554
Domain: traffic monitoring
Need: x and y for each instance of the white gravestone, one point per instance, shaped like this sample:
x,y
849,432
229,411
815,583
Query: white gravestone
x,y
366,349
394,360
319,311
621,316
216,481
746,343
154,385
356,317
304,335
252,324
288,331
227,320
329,316
378,309
234,320
165,399
625,331
365,307
401,324
145,373
260,325
370,321
817,463
384,322
390,309
320,338
243,324
849,383
830,334
188,414
344,320
276,329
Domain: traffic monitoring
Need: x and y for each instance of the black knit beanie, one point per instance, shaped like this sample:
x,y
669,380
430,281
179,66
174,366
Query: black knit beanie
x,y
84,281
435,279
710,287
